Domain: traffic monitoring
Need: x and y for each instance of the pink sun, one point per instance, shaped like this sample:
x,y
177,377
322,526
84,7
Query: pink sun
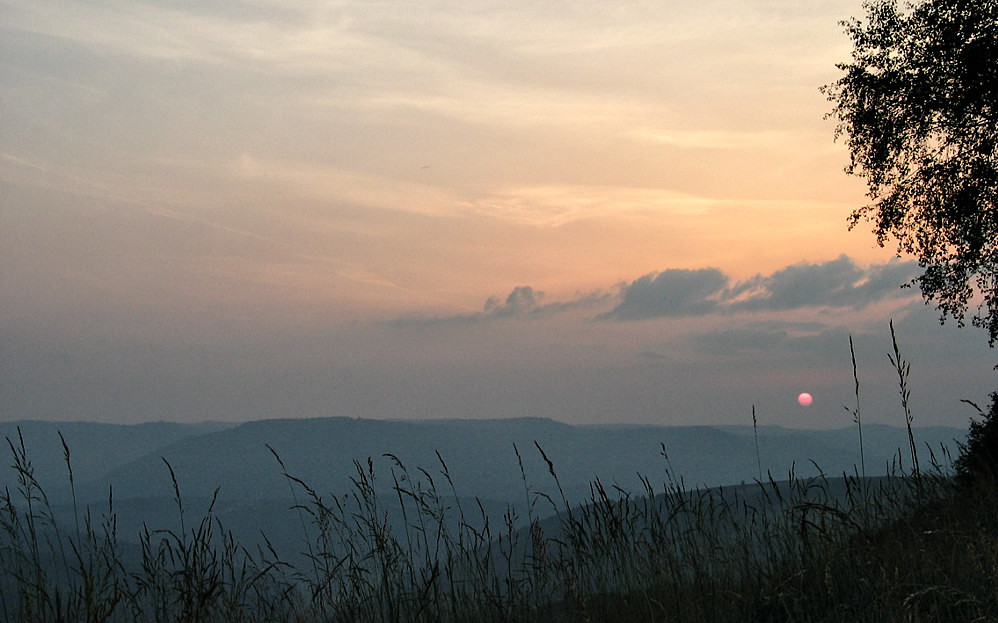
x,y
805,399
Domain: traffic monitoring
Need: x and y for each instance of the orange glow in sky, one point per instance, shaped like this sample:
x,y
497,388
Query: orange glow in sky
x,y
200,197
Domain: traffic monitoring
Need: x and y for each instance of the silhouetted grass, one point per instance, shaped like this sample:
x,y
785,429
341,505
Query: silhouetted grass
x,y
909,546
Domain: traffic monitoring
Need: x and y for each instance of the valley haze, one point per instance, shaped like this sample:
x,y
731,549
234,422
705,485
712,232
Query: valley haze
x,y
480,455
132,466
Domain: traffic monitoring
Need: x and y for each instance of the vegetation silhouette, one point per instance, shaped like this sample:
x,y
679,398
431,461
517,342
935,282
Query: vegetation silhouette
x,y
918,105
914,545
978,460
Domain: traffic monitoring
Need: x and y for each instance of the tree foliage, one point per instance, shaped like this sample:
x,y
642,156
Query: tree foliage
x,y
978,458
918,106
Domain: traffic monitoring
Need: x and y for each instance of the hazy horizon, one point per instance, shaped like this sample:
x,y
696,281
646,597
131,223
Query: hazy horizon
x,y
593,213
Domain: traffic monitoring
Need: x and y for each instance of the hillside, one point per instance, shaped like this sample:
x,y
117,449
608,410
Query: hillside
x,y
479,454
797,547
96,449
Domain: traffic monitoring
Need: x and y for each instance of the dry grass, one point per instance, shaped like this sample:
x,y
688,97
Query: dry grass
x,y
907,547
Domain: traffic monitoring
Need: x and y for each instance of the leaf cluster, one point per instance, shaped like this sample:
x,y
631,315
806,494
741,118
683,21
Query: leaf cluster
x,y
978,460
918,106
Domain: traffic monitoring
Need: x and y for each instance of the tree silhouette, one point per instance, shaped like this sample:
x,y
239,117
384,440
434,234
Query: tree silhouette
x,y
979,456
918,106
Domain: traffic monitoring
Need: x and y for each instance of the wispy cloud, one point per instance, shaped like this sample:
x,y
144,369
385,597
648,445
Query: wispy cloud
x,y
711,139
556,205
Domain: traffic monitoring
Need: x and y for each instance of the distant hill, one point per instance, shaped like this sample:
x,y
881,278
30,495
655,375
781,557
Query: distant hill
x,y
254,496
95,449
479,454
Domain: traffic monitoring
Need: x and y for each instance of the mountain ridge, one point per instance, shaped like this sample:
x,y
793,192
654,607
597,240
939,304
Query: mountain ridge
x,y
481,456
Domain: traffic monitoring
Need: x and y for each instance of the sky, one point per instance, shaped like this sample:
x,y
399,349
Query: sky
x,y
627,212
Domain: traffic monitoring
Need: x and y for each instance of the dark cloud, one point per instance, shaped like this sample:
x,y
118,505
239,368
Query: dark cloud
x,y
521,302
786,341
838,283
677,293
671,293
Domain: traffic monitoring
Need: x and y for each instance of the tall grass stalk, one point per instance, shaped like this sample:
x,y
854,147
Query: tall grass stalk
x,y
755,435
400,545
856,414
672,552
903,369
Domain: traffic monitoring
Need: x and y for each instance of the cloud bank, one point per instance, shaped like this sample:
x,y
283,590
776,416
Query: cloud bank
x,y
521,302
671,293
680,293
838,283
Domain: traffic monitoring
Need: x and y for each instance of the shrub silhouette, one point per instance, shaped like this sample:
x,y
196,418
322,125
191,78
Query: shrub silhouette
x,y
978,460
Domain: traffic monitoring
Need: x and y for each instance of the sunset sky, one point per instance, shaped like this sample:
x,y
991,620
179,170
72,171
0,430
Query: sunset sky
x,y
593,211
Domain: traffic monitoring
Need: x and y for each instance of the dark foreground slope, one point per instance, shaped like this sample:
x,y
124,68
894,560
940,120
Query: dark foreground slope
x,y
937,561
